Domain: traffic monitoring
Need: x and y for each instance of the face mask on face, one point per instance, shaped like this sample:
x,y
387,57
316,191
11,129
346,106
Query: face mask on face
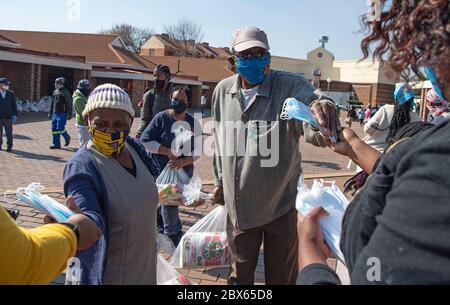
x,y
253,69
433,78
178,107
110,145
160,84
6,88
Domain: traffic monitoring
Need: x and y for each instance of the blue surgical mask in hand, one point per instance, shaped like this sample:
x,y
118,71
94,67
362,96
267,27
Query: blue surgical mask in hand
x,y
294,109
46,205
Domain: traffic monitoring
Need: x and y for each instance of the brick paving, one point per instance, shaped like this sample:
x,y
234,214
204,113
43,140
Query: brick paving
x,y
33,161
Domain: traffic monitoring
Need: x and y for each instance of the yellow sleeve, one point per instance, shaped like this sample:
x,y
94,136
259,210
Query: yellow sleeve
x,y
35,256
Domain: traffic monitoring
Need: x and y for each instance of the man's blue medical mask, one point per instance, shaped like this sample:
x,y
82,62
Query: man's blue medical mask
x,y
253,70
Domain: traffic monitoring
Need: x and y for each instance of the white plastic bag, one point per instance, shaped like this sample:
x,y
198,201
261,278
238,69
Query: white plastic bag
x,y
183,137
170,185
167,275
205,245
164,244
192,192
177,177
333,201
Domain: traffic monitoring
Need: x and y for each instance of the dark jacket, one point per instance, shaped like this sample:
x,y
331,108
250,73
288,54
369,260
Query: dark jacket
x,y
154,103
81,169
8,105
61,102
400,219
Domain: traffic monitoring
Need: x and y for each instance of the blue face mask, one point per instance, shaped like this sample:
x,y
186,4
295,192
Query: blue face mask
x,y
433,78
178,107
253,69
294,109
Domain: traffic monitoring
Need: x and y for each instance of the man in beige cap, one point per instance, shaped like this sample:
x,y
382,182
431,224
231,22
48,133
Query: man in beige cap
x,y
260,196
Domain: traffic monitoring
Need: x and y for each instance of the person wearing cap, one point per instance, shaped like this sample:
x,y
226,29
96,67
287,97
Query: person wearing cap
x,y
60,113
157,99
113,181
8,113
390,118
80,97
260,196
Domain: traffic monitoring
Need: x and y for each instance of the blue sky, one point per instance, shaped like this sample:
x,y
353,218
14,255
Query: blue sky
x,y
293,27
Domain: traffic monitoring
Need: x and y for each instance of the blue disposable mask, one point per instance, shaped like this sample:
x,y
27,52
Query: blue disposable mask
x,y
434,81
178,107
294,109
253,70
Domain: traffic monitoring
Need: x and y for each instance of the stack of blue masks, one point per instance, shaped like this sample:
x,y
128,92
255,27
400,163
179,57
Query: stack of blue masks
x,y
43,203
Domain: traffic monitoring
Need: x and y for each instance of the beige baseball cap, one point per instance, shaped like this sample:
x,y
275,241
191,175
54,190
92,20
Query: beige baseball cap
x,y
249,37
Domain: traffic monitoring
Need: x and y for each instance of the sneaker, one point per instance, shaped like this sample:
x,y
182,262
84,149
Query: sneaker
x,y
54,147
9,149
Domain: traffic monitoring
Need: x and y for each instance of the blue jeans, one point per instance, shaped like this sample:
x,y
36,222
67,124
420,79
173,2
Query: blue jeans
x,y
59,121
171,220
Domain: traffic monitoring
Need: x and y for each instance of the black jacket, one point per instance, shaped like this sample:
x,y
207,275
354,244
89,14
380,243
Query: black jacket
x,y
401,218
8,105
61,102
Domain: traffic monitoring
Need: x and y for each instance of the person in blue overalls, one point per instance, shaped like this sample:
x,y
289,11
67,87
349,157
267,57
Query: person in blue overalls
x,y
60,113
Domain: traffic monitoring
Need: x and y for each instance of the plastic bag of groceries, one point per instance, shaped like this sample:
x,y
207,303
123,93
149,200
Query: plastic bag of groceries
x,y
34,108
205,245
19,106
44,104
167,275
170,185
333,201
192,192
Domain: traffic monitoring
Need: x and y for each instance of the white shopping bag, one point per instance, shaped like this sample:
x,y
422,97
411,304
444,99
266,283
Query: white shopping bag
x,y
167,275
205,245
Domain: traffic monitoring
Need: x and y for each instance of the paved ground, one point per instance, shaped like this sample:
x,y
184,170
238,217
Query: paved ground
x,y
33,161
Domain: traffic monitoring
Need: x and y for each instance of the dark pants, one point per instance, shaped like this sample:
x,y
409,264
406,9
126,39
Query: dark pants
x,y
8,126
280,252
59,121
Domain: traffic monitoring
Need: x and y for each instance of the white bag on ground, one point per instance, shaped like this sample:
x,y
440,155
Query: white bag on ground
x,y
167,275
164,244
333,201
205,245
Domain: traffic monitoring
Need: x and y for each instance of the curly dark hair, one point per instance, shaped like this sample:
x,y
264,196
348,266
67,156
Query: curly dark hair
x,y
409,35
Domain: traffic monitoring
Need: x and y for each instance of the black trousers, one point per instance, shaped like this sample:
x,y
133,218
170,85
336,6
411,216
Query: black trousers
x,y
8,126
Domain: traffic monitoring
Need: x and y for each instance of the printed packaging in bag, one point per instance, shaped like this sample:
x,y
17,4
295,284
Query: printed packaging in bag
x,y
205,245
333,201
167,275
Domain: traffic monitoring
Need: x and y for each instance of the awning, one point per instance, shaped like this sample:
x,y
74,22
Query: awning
x,y
41,60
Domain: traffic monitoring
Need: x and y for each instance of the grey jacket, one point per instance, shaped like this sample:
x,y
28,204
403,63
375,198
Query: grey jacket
x,y
259,165
154,103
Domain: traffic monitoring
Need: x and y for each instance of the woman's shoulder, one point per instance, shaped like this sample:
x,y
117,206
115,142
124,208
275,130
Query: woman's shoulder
x,y
151,163
81,162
